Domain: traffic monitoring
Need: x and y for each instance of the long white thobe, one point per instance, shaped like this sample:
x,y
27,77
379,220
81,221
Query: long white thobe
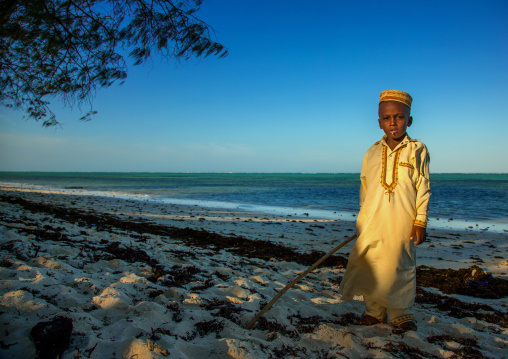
x,y
394,196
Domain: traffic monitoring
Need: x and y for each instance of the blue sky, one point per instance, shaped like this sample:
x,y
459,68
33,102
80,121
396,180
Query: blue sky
x,y
297,93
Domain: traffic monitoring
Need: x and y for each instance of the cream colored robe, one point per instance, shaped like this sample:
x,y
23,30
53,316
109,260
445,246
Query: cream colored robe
x,y
394,195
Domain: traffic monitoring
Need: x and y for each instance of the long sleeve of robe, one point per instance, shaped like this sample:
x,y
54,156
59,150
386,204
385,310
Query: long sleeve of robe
x,y
394,196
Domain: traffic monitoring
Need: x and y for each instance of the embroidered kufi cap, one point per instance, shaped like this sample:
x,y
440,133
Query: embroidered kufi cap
x,y
394,95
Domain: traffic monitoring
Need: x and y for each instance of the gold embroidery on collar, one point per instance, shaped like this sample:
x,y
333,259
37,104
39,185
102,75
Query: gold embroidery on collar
x,y
390,187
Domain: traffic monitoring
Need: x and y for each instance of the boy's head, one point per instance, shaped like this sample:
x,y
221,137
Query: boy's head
x,y
395,114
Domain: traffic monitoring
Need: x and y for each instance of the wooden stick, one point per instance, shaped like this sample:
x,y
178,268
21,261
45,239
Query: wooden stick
x,y
269,305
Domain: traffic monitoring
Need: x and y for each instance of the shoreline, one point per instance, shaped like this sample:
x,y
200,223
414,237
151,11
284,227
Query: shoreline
x,y
303,233
83,257
456,224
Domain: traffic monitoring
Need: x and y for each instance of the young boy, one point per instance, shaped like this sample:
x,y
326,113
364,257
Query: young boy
x,y
394,197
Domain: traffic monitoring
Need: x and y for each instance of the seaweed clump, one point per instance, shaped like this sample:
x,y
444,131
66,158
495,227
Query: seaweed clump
x,y
473,282
468,347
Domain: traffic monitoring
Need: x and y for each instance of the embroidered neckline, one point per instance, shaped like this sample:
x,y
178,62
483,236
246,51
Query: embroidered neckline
x,y
395,172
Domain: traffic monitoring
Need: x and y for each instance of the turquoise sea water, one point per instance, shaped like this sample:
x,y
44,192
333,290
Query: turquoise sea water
x,y
467,199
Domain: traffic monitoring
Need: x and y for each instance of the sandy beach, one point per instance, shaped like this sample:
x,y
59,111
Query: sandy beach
x,y
149,280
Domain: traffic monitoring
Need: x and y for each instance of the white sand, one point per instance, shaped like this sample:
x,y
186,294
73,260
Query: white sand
x,y
118,312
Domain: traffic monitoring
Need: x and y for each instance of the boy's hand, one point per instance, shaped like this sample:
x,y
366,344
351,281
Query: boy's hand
x,y
420,233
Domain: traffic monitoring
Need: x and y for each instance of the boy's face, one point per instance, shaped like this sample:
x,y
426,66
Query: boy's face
x,y
394,119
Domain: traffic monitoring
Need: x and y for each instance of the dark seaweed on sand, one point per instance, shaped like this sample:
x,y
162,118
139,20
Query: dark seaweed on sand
x,y
473,282
211,326
468,346
239,245
449,281
305,324
402,350
459,309
273,327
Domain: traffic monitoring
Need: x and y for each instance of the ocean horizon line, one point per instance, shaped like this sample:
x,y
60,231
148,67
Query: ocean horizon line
x,y
229,172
